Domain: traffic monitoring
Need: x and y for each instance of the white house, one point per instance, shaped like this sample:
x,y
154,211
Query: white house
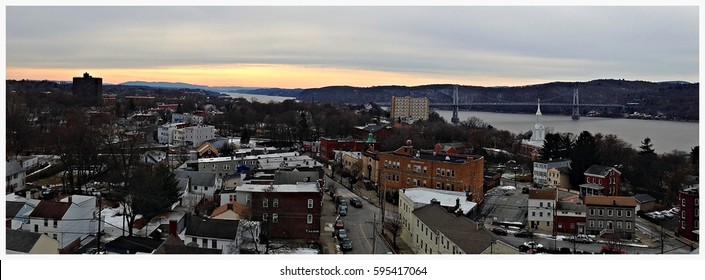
x,y
541,209
214,233
165,133
194,136
414,198
69,221
29,162
541,168
14,176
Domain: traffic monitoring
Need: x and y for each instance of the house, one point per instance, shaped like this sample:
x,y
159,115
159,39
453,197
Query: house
x,y
230,211
434,230
351,160
541,168
195,135
570,217
207,150
199,190
645,202
287,211
329,145
15,176
12,210
601,180
214,234
165,133
174,245
414,198
29,162
409,168
153,157
450,148
370,165
69,221
132,245
689,213
559,177
613,215
541,209
24,242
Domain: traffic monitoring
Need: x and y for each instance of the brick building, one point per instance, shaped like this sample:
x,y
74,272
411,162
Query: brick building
x,y
570,217
601,180
329,145
290,211
409,168
689,213
408,108
88,88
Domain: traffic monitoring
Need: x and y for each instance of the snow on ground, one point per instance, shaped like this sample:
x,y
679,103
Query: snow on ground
x,y
507,188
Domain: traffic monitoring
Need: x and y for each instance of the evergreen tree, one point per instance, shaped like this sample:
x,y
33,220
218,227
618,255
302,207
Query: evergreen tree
x,y
584,155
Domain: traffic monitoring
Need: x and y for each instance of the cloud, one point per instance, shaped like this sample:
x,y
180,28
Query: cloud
x,y
529,42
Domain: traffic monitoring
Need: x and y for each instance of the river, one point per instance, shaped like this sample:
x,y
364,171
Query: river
x,y
666,136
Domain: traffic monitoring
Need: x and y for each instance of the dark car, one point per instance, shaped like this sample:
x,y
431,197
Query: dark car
x,y
355,202
340,200
346,244
343,211
342,234
523,233
499,231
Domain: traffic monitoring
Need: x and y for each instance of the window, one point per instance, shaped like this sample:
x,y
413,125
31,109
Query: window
x,y
204,243
696,202
629,213
56,222
205,188
215,167
265,202
425,171
452,173
46,222
600,224
309,219
697,212
619,224
36,228
683,224
592,212
54,236
540,204
195,188
548,214
248,199
609,212
548,205
592,223
540,214
619,213
194,240
600,212
533,214
214,244
697,224
265,216
275,203
629,225
275,218
548,224
310,203
683,214
683,202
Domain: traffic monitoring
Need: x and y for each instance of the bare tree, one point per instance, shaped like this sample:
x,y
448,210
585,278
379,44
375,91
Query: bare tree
x,y
394,225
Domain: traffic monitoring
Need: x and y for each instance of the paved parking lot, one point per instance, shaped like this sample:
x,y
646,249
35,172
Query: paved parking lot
x,y
504,204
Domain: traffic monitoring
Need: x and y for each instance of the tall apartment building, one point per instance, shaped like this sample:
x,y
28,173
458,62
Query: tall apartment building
x,y
408,168
88,88
407,108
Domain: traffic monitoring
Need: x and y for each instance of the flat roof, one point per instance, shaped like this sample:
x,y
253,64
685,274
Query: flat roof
x,y
445,197
299,187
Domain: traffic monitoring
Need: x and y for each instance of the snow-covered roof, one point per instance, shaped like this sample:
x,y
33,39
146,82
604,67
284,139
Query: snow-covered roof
x,y
423,196
299,187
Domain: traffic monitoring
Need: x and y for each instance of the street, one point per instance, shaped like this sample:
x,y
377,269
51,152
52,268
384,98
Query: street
x,y
359,223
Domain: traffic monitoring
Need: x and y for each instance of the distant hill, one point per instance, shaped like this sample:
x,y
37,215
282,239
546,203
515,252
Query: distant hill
x,y
248,90
676,99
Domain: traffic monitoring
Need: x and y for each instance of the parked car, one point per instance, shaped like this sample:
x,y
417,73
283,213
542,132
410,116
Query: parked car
x,y
346,244
339,224
355,202
342,234
343,211
499,231
582,238
523,233
343,203
533,245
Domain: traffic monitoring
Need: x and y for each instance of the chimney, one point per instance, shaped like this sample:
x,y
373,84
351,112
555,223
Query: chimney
x,y
70,199
457,203
435,201
173,228
230,206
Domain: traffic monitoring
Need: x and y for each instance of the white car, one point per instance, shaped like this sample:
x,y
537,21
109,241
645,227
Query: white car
x,y
582,238
533,245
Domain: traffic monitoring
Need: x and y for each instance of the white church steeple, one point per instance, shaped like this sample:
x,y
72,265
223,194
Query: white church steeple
x,y
539,132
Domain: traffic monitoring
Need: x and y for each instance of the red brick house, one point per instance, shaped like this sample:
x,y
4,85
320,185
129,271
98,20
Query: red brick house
x,y
329,145
689,213
409,168
570,217
601,180
288,211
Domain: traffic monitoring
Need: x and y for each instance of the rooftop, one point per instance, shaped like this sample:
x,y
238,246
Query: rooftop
x,y
50,209
294,188
600,170
446,198
213,228
625,201
466,234
548,194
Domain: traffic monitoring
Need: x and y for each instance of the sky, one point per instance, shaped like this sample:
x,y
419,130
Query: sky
x,y
315,46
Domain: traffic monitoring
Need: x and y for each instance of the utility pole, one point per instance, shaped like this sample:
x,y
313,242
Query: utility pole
x,y
374,233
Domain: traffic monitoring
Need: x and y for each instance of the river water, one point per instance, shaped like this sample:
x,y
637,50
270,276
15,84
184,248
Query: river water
x,y
666,136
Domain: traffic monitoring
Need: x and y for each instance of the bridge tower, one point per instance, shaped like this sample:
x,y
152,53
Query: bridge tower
x,y
576,106
455,119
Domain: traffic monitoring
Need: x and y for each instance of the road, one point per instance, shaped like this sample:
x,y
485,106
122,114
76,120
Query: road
x,y
359,223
